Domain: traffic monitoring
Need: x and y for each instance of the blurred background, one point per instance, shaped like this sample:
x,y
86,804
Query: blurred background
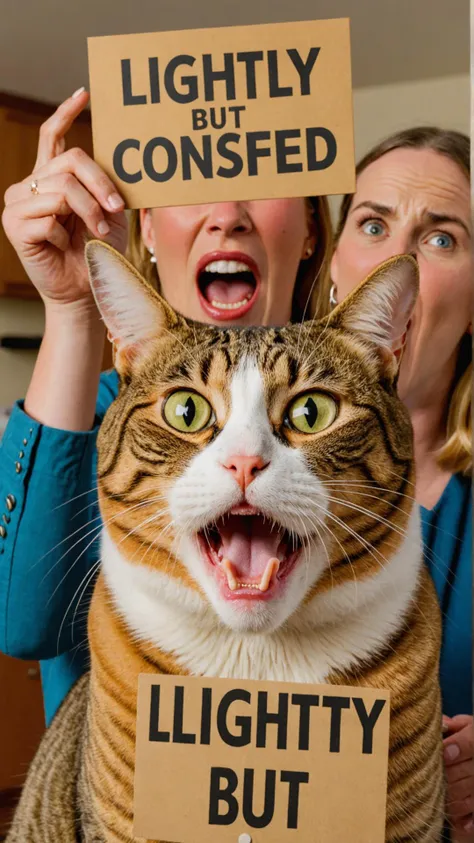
x,y
410,62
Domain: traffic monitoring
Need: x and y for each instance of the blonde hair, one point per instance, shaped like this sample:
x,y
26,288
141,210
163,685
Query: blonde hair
x,y
311,279
456,453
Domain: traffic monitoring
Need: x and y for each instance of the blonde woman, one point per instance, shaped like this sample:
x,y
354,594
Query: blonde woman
x,y
413,195
238,263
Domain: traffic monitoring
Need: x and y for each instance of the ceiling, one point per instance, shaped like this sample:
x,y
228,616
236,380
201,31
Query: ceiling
x,y
43,51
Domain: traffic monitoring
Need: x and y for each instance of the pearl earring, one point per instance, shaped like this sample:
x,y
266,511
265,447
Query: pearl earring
x,y
309,252
152,254
332,295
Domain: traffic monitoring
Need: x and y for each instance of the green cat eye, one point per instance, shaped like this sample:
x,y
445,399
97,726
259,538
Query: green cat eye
x,y
312,412
187,411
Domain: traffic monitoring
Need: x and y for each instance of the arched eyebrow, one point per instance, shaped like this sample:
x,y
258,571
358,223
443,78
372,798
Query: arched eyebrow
x,y
439,219
383,210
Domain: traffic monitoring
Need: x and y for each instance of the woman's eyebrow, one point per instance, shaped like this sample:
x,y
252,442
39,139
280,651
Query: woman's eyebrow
x,y
384,210
439,219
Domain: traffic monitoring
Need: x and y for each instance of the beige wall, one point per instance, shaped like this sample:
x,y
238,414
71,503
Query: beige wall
x,y
378,111
384,109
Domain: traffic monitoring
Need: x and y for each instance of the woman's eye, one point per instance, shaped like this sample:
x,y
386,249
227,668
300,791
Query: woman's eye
x,y
187,411
442,241
373,228
312,412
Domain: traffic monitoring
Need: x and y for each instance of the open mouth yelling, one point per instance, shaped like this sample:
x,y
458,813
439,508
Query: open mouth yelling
x,y
249,555
228,284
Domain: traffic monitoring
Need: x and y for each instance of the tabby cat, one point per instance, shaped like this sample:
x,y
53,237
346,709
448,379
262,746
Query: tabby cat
x,y
256,489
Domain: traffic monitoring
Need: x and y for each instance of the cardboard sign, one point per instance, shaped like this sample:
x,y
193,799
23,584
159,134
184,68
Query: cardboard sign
x,y
246,112
279,762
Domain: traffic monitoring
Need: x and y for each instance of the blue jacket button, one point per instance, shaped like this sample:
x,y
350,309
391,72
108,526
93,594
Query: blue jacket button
x,y
11,502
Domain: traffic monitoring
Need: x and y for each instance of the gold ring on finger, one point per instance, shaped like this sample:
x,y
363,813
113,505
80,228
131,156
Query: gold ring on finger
x,y
34,187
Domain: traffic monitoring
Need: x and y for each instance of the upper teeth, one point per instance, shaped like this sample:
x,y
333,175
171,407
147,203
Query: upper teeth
x,y
226,267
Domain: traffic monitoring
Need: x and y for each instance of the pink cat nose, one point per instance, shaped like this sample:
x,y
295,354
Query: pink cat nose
x,y
245,469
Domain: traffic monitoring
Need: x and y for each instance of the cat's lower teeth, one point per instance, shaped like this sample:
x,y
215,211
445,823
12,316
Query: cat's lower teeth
x,y
221,305
271,568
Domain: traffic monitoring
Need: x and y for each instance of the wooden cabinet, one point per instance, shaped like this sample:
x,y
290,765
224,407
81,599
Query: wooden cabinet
x,y
21,728
20,121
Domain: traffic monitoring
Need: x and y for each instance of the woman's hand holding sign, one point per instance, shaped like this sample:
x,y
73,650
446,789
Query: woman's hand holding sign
x,y
47,215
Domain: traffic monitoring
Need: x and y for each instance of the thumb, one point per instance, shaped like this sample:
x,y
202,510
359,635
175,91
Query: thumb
x,y
458,747
460,721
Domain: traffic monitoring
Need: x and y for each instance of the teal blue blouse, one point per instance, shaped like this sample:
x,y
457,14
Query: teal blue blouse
x,y
49,554
447,539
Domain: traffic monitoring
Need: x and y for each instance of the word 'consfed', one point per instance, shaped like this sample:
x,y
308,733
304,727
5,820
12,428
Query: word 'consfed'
x,y
161,159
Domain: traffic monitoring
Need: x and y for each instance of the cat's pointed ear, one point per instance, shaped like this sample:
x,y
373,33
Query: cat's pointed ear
x,y
379,309
133,312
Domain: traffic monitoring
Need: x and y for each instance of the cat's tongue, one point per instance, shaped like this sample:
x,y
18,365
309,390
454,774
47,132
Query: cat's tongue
x,y
229,292
249,543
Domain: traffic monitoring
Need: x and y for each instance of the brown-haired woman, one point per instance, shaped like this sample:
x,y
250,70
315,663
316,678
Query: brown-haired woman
x,y
233,263
413,195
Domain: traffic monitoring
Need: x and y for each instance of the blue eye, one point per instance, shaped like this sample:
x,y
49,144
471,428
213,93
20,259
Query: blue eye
x,y
442,241
373,228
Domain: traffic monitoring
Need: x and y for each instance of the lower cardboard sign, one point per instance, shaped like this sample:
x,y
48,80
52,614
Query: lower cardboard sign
x,y
271,761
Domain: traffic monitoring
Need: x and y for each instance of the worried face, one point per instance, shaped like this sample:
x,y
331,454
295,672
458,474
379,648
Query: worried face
x,y
415,201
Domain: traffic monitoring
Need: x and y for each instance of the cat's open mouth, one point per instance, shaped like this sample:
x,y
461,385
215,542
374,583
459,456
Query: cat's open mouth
x,y
228,284
250,555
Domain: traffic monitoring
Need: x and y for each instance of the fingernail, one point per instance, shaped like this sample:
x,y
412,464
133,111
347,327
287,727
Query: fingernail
x,y
115,201
469,825
103,227
78,92
452,752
